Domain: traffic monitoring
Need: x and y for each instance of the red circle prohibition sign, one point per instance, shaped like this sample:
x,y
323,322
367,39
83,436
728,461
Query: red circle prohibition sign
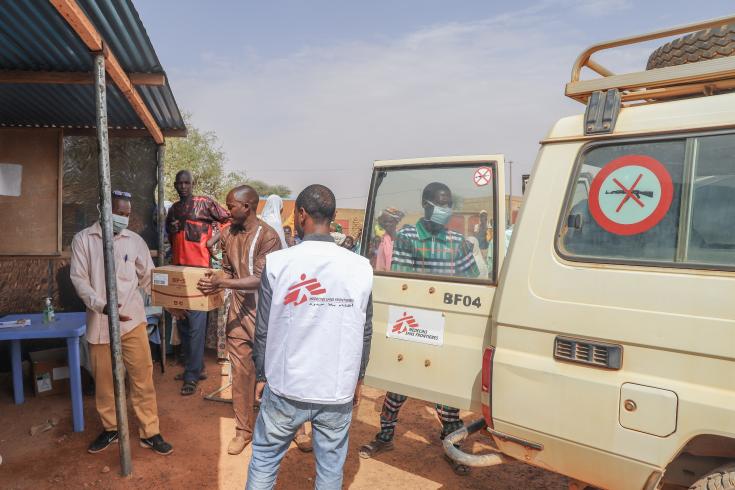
x,y
483,176
630,195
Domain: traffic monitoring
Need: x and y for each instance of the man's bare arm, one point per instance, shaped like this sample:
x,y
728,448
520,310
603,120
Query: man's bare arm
x,y
246,283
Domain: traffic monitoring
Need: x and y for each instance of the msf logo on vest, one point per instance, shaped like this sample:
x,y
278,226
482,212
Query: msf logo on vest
x,y
301,291
405,323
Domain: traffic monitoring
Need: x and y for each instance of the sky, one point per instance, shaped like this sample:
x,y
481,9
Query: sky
x,y
303,92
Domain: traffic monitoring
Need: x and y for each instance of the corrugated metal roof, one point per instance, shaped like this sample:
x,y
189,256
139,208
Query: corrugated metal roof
x,y
33,36
62,106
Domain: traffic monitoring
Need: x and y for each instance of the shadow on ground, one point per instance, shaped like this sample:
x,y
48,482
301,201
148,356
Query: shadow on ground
x,y
200,431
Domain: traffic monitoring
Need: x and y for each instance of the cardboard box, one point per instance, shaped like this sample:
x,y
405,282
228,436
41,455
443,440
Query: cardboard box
x,y
50,371
175,286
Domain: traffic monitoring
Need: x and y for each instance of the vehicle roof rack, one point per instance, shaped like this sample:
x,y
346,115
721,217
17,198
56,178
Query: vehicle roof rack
x,y
701,77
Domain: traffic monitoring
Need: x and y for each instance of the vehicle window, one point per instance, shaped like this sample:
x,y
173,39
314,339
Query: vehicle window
x,y
625,203
712,217
437,221
670,202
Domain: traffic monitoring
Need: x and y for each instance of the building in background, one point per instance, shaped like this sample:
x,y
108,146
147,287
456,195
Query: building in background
x,y
350,219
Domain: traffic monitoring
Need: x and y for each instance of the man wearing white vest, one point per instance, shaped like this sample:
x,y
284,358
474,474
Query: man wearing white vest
x,y
312,344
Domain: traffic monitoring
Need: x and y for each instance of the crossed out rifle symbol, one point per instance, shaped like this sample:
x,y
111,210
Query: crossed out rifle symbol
x,y
630,193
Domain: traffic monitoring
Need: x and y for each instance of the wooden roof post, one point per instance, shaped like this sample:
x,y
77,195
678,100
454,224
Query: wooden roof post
x,y
105,188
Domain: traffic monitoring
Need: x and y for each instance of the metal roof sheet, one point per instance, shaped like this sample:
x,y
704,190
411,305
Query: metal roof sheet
x,y
33,36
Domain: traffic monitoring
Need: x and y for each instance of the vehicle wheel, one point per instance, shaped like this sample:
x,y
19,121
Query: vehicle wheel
x,y
697,46
722,478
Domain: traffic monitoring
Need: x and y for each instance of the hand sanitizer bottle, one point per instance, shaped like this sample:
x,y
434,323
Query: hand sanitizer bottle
x,y
48,311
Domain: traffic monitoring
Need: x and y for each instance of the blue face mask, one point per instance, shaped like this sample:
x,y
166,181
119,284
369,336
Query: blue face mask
x,y
119,223
440,215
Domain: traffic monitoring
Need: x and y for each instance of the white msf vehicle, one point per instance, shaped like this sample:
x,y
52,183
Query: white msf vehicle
x,y
603,346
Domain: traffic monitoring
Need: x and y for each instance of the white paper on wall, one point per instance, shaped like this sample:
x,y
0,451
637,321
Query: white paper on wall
x,y
10,179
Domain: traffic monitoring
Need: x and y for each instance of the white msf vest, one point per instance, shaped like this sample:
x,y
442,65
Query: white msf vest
x,y
317,321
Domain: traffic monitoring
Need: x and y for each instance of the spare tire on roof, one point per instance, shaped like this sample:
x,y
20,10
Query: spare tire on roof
x,y
698,46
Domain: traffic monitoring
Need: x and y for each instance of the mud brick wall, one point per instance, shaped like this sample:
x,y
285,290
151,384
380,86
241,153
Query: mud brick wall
x,y
25,282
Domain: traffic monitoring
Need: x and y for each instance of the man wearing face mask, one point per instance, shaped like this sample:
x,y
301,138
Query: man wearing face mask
x,y
133,267
245,245
428,248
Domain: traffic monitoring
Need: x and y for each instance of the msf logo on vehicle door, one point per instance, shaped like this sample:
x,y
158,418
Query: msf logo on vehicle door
x,y
415,325
302,291
405,323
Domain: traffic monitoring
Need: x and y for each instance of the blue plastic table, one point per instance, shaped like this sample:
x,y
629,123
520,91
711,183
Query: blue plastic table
x,y
70,326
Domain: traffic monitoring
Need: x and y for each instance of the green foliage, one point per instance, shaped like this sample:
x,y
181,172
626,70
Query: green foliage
x,y
202,154
267,189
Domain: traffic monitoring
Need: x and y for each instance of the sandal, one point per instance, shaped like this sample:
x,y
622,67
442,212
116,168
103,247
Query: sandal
x,y
189,388
180,377
458,468
374,447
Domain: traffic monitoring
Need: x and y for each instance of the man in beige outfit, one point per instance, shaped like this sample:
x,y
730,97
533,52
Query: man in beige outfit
x,y
244,246
133,266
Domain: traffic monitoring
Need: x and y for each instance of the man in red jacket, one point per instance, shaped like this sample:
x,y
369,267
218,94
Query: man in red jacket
x,y
189,225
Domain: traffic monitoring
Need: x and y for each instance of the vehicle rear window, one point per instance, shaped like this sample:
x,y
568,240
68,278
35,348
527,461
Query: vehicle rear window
x,y
438,221
660,202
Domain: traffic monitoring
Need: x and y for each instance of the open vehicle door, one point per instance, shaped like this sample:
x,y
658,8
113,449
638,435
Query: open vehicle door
x,y
435,274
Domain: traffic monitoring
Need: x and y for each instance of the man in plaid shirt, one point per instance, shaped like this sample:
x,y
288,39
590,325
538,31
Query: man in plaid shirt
x,y
428,248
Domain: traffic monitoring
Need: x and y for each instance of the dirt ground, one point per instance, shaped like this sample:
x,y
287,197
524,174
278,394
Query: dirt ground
x,y
199,430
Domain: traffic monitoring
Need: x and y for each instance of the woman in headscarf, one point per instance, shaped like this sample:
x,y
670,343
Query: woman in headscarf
x,y
387,221
271,214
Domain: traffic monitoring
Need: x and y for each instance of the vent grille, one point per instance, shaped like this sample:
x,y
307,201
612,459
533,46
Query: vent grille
x,y
599,355
564,349
582,352
591,353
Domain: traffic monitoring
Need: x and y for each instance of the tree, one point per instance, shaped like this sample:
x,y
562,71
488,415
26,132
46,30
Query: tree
x,y
267,189
202,154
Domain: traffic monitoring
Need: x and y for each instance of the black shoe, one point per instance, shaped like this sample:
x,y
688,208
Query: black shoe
x,y
103,440
157,444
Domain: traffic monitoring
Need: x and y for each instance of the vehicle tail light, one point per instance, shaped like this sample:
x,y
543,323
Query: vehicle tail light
x,y
487,382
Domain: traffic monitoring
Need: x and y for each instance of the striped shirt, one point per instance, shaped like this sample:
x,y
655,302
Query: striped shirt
x,y
447,253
